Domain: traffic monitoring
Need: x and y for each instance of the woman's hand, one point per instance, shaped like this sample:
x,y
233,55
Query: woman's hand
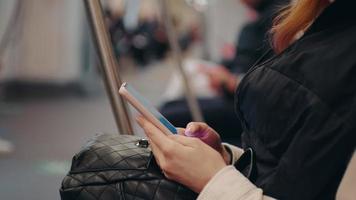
x,y
209,136
220,77
186,160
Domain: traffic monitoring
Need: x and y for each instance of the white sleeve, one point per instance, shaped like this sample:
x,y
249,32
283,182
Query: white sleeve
x,y
234,151
230,184
346,189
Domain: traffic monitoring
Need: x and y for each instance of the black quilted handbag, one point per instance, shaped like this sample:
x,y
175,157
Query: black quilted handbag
x,y
119,167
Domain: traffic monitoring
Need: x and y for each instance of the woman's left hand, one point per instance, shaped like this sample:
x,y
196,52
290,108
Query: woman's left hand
x,y
186,160
220,77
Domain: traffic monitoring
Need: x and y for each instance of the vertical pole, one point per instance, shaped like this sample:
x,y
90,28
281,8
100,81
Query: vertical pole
x,y
206,42
173,41
109,65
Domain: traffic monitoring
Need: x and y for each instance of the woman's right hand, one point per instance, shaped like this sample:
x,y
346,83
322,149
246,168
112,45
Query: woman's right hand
x,y
208,135
220,77
186,160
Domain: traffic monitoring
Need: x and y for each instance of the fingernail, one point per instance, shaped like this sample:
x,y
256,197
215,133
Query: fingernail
x,y
189,132
191,128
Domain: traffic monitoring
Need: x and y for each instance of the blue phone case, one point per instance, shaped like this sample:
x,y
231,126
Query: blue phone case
x,y
150,108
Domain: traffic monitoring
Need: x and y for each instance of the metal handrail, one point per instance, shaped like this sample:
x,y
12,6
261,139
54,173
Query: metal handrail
x,y
109,65
177,53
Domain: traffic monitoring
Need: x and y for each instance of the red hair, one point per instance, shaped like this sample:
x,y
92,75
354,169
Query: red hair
x,y
293,19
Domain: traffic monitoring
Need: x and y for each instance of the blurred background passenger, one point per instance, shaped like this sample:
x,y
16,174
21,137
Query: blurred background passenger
x,y
137,31
251,43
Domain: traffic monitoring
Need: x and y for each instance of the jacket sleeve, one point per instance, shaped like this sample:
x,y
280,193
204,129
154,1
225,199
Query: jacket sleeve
x,y
315,159
229,184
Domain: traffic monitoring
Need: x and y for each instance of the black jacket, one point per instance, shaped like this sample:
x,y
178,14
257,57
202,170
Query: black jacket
x,y
298,109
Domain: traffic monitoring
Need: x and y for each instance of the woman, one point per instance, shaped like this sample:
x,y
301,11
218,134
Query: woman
x,y
298,111
250,45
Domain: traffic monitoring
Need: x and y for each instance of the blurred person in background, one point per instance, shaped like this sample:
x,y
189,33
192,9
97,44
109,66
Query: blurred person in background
x,y
251,43
137,31
298,111
134,27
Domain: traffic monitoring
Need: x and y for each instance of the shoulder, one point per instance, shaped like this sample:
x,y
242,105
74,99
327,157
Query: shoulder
x,y
315,74
325,64
322,63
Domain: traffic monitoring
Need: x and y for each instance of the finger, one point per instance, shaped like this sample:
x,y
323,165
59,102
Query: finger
x,y
157,153
150,129
194,127
162,141
180,131
167,175
185,141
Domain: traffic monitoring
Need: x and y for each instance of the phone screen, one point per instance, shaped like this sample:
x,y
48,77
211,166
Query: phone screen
x,y
151,109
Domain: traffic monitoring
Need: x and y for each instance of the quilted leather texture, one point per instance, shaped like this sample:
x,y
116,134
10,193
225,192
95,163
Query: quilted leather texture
x,y
113,167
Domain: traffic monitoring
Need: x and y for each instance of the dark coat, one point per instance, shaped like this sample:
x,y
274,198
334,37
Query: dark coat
x,y
298,109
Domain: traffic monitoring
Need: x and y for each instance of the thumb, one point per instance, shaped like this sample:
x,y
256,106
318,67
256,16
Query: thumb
x,y
204,133
195,129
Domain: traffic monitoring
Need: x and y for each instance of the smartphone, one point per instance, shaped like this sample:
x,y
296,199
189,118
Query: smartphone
x,y
146,109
